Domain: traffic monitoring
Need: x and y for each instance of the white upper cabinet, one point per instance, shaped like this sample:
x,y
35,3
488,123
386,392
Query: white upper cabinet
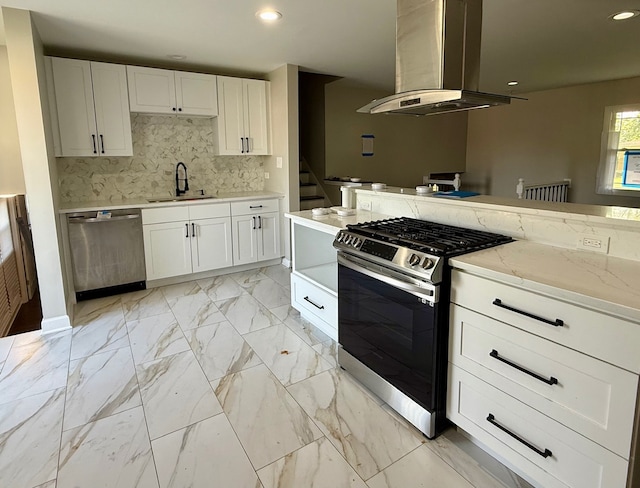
x,y
92,108
243,121
161,91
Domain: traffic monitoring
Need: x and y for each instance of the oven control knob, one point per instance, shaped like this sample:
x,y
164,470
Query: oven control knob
x,y
355,242
413,259
427,263
348,239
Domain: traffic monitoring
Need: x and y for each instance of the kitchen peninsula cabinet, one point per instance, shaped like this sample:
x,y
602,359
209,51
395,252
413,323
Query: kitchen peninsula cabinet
x,y
256,231
186,239
91,108
161,91
243,120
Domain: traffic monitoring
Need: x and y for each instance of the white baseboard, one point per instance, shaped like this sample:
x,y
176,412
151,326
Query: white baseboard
x,y
55,324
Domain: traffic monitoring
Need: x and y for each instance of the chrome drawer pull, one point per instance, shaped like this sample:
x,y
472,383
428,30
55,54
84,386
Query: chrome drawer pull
x,y
556,323
550,381
321,307
545,454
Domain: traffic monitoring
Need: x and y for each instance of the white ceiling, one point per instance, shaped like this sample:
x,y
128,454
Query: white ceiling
x,y
541,43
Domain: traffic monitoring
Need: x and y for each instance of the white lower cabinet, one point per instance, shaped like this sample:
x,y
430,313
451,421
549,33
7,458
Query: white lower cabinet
x,y
256,231
318,304
538,381
185,245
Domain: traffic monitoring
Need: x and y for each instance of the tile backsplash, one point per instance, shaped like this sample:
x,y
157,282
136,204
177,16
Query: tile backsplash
x,y
159,142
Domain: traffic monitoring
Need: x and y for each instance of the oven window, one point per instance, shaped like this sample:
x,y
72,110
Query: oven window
x,y
390,331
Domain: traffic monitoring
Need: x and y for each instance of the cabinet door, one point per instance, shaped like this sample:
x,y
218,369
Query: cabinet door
x,y
256,116
245,245
196,94
230,116
74,101
151,90
112,109
268,236
211,244
167,249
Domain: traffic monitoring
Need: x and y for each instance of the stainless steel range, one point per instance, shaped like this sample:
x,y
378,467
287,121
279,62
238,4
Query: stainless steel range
x,y
393,310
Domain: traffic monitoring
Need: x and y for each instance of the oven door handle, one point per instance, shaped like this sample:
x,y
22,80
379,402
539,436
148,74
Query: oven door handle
x,y
428,294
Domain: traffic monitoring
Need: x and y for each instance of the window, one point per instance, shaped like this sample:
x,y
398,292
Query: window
x,y
619,170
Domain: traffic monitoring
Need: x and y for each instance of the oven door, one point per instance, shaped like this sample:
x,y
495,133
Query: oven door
x,y
387,321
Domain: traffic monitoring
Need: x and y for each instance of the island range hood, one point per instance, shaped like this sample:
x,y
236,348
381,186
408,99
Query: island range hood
x,y
437,59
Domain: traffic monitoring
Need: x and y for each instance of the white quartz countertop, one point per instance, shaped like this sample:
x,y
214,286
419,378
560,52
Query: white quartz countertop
x,y
598,281
332,222
144,202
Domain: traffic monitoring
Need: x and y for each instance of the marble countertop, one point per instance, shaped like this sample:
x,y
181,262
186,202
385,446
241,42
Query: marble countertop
x,y
619,216
597,281
332,222
220,197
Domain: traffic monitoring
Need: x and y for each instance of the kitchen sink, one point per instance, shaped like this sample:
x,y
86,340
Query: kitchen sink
x,y
180,199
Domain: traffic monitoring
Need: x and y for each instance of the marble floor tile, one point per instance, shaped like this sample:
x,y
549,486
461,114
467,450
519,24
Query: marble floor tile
x,y
221,288
269,293
279,273
5,347
115,450
195,310
204,454
285,354
39,366
329,352
30,431
303,328
267,420
317,465
156,337
99,326
99,386
145,303
1,366
48,484
244,278
421,468
221,350
246,314
368,437
175,393
180,290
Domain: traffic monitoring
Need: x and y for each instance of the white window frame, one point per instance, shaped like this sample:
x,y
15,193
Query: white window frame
x,y
609,153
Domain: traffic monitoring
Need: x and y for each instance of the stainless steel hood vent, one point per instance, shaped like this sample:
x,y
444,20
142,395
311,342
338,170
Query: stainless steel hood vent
x,y
437,59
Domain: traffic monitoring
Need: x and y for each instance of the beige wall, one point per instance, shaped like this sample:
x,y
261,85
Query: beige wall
x,y
284,139
11,177
26,63
554,135
405,147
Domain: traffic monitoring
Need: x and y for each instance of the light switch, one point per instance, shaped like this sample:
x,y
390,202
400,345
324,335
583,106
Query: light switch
x,y
266,175
279,162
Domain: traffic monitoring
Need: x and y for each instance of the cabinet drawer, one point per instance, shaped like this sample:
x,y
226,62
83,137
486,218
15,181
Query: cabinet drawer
x,y
308,297
574,461
254,207
585,394
599,335
209,211
165,214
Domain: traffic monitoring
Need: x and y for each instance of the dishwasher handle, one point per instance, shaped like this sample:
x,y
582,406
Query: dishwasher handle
x,y
89,220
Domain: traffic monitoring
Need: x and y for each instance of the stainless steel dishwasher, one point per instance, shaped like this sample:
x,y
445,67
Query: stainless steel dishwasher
x,y
107,252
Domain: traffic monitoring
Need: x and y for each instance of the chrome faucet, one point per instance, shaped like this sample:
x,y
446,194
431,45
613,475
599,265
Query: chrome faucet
x,y
185,179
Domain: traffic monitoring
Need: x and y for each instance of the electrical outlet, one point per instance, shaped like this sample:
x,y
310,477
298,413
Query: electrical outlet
x,y
266,175
365,205
278,162
593,243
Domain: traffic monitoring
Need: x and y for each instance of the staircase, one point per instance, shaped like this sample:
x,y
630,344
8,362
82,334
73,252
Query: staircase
x,y
311,193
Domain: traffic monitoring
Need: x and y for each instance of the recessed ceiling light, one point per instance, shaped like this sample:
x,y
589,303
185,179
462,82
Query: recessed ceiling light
x,y
627,14
269,15
176,57
512,83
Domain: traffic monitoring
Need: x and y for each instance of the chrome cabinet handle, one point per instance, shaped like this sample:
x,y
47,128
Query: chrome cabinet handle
x,y
545,454
549,381
320,307
93,137
193,229
187,227
556,323
102,143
